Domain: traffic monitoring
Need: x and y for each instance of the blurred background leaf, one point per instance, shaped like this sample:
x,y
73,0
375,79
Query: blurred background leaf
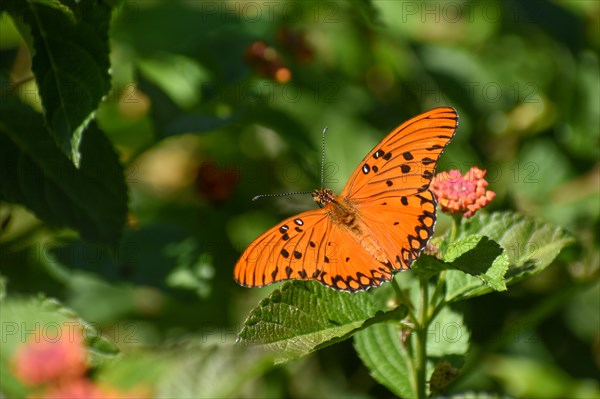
x,y
70,61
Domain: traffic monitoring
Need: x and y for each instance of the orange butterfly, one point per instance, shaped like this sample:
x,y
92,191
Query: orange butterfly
x,y
379,224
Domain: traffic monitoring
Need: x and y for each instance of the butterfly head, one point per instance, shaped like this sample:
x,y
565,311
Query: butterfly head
x,y
323,196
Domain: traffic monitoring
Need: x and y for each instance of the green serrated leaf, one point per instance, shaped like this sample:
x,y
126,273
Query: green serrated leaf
x,y
529,247
447,335
380,317
70,62
479,267
34,173
530,244
302,317
474,264
388,349
494,276
381,349
428,266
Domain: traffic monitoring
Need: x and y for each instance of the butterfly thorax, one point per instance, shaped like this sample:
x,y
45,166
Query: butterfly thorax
x,y
342,211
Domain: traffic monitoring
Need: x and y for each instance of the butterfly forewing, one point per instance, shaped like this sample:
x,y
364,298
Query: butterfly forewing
x,y
404,162
287,251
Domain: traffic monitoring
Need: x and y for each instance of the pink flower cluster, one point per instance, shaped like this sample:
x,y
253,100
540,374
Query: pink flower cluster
x,y
57,368
462,194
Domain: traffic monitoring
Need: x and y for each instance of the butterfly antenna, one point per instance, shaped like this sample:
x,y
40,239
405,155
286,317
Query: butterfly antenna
x,y
303,192
280,195
323,160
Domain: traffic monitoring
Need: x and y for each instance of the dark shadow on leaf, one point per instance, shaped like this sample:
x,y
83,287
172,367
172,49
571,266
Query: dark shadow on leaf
x,y
478,260
428,266
517,272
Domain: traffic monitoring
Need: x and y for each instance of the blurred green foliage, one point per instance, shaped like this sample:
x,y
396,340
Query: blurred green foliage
x,y
202,124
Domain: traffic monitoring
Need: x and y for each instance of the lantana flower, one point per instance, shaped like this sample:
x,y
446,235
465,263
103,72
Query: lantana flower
x,y
44,359
56,367
462,194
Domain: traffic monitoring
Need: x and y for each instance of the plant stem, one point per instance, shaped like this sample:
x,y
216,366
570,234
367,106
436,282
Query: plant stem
x,y
424,318
437,304
456,218
404,300
436,307
421,341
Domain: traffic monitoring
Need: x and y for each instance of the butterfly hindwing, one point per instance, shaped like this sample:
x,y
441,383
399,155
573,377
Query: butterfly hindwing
x,y
402,225
404,162
349,267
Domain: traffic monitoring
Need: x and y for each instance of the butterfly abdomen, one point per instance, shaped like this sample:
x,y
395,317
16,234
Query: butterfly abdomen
x,y
343,213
